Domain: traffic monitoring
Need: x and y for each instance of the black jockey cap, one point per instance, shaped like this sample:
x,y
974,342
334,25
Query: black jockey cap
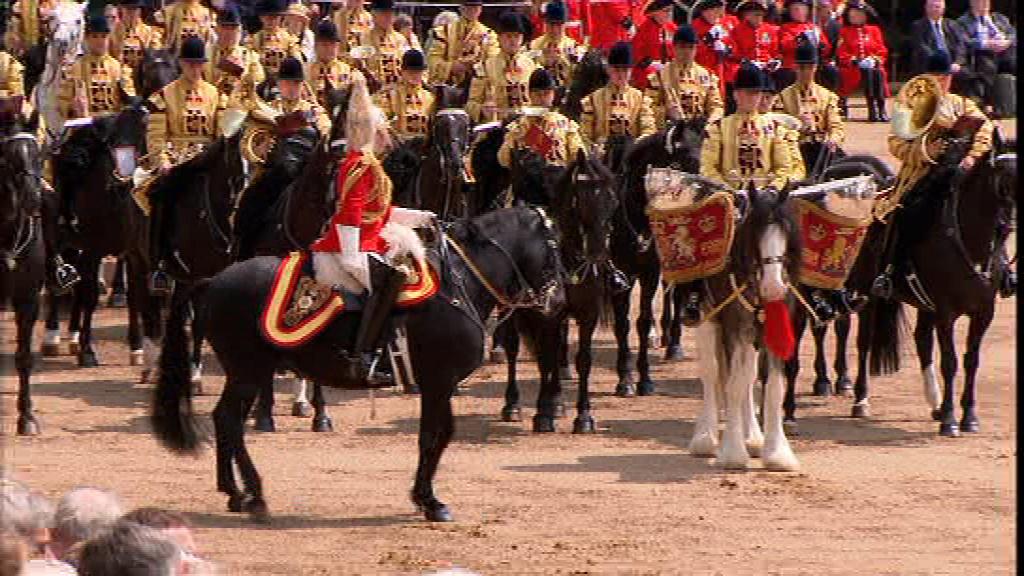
x,y
271,7
655,5
939,63
749,77
747,5
541,79
621,55
326,31
290,69
556,11
192,49
510,21
806,53
684,35
413,60
382,5
97,24
229,16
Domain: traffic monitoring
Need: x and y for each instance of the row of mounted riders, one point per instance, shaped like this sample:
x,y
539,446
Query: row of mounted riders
x,y
513,259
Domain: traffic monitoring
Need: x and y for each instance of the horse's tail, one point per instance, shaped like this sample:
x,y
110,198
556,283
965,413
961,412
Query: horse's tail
x,y
887,326
172,417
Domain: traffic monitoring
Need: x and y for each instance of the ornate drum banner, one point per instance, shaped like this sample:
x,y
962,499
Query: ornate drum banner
x,y
830,244
693,241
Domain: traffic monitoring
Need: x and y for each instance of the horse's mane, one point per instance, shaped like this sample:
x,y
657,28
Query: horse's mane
x,y
588,75
763,209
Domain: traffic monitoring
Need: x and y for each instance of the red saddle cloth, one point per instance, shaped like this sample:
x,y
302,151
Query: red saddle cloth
x,y
831,244
693,241
298,307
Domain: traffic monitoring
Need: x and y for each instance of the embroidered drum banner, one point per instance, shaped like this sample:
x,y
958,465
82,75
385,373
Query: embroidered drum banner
x,y
693,241
830,244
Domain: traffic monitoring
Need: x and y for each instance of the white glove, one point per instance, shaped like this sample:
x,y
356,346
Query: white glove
x,y
773,64
352,259
719,46
867,64
717,31
812,35
412,218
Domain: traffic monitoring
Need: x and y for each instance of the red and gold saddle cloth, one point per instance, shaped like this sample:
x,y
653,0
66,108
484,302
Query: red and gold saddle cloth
x,y
831,244
298,307
693,240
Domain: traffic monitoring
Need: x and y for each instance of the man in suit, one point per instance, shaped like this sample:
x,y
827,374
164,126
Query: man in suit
x,y
991,45
933,33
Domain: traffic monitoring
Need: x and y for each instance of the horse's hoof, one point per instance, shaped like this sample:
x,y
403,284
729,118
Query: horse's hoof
x,y
625,388
937,415
136,358
584,424
560,410
860,411
781,460
88,359
235,503
674,352
844,387
498,355
949,430
323,425
645,388
117,300
970,425
28,426
74,348
145,376
50,350
822,386
302,409
790,427
543,424
511,414
258,511
433,509
703,445
565,373
197,373
264,425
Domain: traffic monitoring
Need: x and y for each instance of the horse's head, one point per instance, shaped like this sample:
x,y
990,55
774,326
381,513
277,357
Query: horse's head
x,y
767,245
66,22
446,96
124,135
539,261
1003,158
615,151
337,108
584,205
158,69
22,164
290,152
588,75
450,133
683,141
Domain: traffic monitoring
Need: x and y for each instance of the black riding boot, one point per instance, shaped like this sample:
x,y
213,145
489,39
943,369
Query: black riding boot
x,y
844,108
821,306
159,281
880,106
1007,277
618,283
882,286
61,276
691,307
387,283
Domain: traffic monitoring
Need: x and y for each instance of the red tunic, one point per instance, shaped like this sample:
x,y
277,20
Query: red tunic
x,y
759,44
364,201
573,28
652,41
789,34
706,55
605,21
856,43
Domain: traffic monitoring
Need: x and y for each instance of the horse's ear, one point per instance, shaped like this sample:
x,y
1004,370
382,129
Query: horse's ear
x,y
751,191
784,193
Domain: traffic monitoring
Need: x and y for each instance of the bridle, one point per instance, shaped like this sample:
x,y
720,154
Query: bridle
x,y
588,265
460,142
25,232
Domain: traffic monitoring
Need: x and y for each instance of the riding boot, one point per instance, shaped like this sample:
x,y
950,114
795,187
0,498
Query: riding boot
x,y
880,106
618,283
61,276
844,109
882,286
387,283
841,301
869,99
691,308
821,306
159,281
1007,277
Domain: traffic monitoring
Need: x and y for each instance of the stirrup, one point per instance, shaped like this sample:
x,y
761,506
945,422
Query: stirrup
x,y
1008,284
822,309
159,283
882,286
65,276
363,368
617,280
691,310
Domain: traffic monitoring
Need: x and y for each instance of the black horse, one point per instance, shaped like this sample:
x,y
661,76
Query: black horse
x,y
92,175
633,251
588,75
23,270
441,186
582,201
512,251
157,69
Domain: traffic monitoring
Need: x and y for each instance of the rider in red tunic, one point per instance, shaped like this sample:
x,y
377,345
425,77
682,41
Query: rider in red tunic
x,y
797,29
713,28
861,56
652,45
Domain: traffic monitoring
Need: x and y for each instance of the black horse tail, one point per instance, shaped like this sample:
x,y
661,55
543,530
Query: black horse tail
x,y
887,326
172,417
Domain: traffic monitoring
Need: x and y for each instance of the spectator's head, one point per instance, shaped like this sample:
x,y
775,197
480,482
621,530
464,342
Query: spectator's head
x,y
659,10
856,13
555,15
229,26
444,18
289,78
769,92
130,549
172,524
934,9
752,12
414,66
471,9
403,25
981,7
824,10
296,19
13,553
27,514
83,513
798,10
806,63
326,41
272,13
129,10
97,31
940,66
710,10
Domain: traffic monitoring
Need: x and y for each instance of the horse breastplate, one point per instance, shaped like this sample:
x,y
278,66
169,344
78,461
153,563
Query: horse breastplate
x,y
748,151
618,115
101,89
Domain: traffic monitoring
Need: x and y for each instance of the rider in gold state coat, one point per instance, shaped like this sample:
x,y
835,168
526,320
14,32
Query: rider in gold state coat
x,y
549,134
683,89
132,36
352,21
787,127
328,67
234,69
816,107
500,82
408,105
290,80
11,76
618,108
186,113
273,43
457,48
185,18
556,51
384,66
95,84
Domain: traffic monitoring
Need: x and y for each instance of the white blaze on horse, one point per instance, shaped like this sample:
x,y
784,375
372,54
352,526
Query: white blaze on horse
x,y
65,23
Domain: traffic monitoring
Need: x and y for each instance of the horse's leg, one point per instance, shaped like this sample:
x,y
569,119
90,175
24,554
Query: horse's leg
x,y
777,454
947,353
666,314
584,422
705,431
51,335
512,411
135,347
563,363
198,334
26,312
861,407
264,416
924,339
979,324
753,437
497,351
228,420
89,292
301,408
625,386
732,454
548,353
75,319
321,419
792,370
644,323
437,425
117,296
674,348
147,308
822,385
842,329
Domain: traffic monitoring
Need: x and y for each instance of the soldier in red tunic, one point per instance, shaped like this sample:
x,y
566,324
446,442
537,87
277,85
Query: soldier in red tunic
x,y
755,41
713,28
574,26
652,45
861,55
796,30
609,21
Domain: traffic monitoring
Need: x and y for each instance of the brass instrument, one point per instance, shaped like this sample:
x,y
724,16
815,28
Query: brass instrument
x,y
259,136
915,108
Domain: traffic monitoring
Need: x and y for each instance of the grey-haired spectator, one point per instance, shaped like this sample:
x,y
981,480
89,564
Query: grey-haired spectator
x,y
13,553
935,33
130,549
172,524
83,513
25,513
991,43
